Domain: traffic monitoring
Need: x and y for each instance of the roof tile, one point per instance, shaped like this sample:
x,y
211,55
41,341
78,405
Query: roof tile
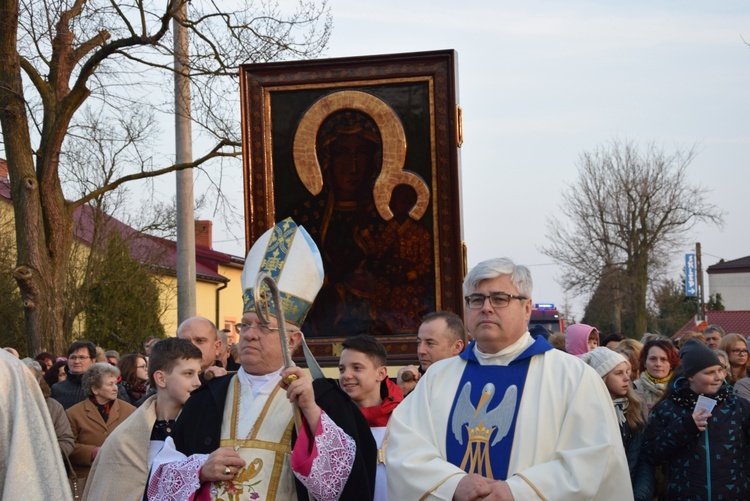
x,y
153,251
731,321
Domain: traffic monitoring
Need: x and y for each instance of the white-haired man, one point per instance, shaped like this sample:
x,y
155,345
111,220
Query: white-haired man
x,y
510,418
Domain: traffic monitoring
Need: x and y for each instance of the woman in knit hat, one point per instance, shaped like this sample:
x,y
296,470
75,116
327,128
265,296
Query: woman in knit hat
x,y
614,369
658,359
706,450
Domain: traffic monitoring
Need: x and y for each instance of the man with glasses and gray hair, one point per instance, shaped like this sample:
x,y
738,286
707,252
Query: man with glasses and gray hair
x,y
509,418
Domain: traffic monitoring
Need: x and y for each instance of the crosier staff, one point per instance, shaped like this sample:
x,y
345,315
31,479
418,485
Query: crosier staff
x,y
265,278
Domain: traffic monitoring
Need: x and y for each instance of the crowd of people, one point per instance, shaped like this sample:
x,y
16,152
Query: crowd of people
x,y
492,410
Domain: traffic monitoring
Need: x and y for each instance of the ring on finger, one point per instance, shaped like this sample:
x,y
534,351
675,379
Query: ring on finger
x,y
290,378
227,471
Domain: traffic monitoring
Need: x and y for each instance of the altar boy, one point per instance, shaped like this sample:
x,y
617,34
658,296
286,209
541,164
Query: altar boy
x,y
363,375
124,464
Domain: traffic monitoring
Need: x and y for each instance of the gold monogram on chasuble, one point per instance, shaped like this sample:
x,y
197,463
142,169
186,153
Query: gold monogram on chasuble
x,y
266,449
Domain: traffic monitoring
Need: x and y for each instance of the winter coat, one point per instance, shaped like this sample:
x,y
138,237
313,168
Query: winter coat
x,y
710,464
642,474
121,469
132,394
742,388
62,426
90,430
70,391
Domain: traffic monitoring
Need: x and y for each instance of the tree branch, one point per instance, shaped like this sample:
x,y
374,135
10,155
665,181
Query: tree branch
x,y
214,153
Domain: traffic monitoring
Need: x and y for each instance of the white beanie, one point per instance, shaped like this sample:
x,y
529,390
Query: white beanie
x,y
603,360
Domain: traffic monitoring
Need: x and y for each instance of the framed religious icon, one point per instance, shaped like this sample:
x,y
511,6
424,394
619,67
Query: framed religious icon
x,y
363,153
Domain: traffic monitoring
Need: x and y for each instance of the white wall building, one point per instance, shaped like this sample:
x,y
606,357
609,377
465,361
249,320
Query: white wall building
x,y
731,279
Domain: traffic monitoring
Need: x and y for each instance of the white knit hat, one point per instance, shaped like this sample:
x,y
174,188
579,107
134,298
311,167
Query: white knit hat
x,y
289,255
603,360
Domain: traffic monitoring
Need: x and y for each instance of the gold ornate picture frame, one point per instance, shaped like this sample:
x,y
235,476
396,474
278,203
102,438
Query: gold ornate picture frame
x,y
362,152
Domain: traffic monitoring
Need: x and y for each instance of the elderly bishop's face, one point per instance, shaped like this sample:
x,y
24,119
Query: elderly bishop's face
x,y
497,328
260,346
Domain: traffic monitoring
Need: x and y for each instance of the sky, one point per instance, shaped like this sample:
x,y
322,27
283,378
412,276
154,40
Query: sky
x,y
542,82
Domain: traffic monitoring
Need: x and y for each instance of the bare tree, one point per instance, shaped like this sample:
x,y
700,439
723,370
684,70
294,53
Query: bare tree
x,y
65,61
11,310
93,157
566,310
629,208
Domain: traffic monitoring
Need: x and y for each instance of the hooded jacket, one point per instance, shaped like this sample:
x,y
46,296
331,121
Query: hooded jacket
x,y
577,338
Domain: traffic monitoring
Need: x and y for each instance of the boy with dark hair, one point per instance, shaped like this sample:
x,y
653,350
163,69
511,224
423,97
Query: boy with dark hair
x,y
363,375
124,464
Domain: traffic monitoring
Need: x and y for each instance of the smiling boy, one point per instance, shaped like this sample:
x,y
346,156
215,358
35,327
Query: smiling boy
x,y
364,377
124,463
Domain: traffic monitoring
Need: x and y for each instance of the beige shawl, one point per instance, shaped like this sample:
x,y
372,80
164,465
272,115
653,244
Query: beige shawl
x,y
120,470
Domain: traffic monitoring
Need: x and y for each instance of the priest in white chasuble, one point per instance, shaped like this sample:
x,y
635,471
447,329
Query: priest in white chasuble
x,y
510,417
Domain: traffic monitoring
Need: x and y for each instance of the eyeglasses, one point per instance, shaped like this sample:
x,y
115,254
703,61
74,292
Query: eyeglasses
x,y
740,352
77,357
141,366
242,327
497,300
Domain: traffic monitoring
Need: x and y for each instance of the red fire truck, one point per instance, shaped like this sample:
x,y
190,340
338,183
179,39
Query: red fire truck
x,y
546,315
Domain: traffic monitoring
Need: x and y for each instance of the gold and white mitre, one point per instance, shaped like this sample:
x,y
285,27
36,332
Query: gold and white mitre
x,y
288,254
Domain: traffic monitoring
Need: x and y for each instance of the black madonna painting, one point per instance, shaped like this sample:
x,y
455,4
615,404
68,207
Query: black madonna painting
x,y
363,153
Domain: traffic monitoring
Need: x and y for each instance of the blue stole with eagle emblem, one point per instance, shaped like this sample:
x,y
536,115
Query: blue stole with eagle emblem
x,y
482,420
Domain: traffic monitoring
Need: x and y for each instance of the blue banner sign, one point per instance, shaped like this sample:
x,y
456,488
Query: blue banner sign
x,y
691,276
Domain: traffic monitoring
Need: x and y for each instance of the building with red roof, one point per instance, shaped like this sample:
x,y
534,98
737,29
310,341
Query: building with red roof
x,y
731,279
730,321
218,287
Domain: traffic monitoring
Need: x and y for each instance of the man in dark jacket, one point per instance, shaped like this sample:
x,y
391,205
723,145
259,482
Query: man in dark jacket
x,y
81,356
